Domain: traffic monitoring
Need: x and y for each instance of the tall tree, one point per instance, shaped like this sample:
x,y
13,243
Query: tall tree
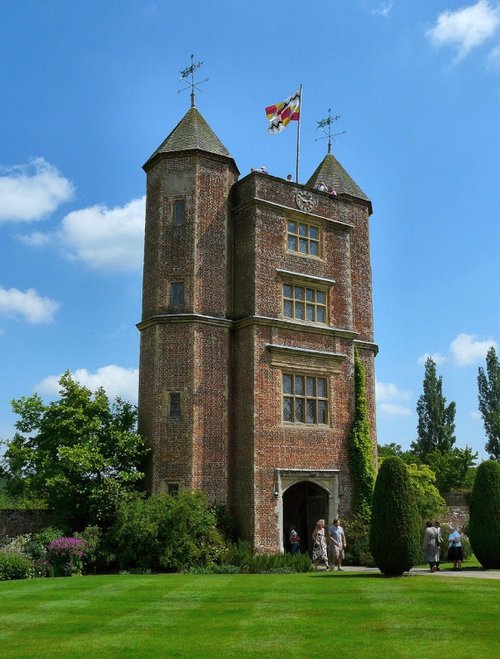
x,y
361,453
81,454
489,402
436,420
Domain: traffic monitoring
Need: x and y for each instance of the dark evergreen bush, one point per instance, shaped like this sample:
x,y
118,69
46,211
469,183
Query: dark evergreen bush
x,y
358,542
484,523
395,524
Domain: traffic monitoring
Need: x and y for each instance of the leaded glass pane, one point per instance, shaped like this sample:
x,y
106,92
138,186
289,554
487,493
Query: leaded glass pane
x,y
299,385
303,246
287,290
299,410
321,387
322,411
302,229
314,249
320,314
313,233
311,411
292,243
292,227
310,386
287,384
288,308
287,409
299,310
320,297
299,293
310,312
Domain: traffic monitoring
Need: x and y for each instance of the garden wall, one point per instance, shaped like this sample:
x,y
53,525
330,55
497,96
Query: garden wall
x,y
17,522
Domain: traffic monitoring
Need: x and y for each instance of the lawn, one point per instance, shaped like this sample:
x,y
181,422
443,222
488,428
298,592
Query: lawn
x,y
299,615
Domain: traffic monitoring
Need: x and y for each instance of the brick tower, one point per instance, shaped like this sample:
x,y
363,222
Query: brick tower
x,y
256,292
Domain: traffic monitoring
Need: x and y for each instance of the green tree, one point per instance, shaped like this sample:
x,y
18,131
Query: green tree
x,y
361,456
436,420
484,511
395,522
489,402
430,503
395,450
78,453
452,468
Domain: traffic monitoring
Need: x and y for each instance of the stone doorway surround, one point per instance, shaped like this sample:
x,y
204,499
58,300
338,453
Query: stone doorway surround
x,y
327,479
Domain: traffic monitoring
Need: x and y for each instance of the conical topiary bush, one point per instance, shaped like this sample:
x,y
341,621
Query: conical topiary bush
x,y
395,523
484,511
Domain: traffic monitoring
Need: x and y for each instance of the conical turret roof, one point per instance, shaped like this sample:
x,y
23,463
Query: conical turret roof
x,y
191,133
333,175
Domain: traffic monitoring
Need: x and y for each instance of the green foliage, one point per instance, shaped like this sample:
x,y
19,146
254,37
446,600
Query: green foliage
x,y
436,420
489,402
452,468
65,556
79,453
395,450
167,533
360,446
15,566
93,557
278,563
395,523
484,511
430,503
357,532
37,549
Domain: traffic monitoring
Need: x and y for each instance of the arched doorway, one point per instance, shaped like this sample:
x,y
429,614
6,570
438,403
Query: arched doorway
x,y
303,504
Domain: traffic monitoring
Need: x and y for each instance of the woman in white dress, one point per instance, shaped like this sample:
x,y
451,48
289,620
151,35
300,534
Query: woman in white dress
x,y
319,554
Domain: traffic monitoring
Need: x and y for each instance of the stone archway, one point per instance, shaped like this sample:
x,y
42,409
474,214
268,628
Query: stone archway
x,y
303,498
303,504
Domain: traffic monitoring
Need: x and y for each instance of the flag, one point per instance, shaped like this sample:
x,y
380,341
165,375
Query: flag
x,y
281,114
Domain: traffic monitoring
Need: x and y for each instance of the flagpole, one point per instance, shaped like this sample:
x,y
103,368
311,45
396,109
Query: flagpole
x,y
298,136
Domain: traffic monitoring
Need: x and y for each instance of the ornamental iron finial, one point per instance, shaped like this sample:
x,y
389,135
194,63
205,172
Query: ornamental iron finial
x,y
190,71
326,127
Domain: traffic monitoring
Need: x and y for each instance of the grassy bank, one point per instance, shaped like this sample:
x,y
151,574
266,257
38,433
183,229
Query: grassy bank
x,y
299,615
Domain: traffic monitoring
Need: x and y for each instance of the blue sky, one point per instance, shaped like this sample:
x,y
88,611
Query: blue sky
x,y
90,89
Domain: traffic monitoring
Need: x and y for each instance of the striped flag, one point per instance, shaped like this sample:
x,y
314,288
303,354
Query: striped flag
x,y
281,114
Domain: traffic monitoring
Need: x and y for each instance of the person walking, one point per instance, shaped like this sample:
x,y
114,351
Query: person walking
x,y
319,553
337,543
437,525
431,546
455,551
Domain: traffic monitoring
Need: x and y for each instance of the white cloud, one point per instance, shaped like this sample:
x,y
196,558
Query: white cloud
x,y
106,238
476,415
436,357
466,28
391,409
389,391
115,380
494,58
27,305
34,239
383,9
466,350
31,191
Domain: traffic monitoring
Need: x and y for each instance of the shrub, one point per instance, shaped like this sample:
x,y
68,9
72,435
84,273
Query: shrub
x,y
357,532
37,549
395,523
15,566
167,533
484,511
65,556
93,555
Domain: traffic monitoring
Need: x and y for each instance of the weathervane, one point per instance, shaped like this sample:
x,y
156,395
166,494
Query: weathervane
x,y
328,122
189,71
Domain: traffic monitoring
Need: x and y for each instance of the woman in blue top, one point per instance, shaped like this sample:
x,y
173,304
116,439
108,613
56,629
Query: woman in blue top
x,y
455,553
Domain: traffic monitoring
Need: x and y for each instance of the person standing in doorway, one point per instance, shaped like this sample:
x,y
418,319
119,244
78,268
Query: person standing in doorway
x,y
337,543
319,553
294,540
